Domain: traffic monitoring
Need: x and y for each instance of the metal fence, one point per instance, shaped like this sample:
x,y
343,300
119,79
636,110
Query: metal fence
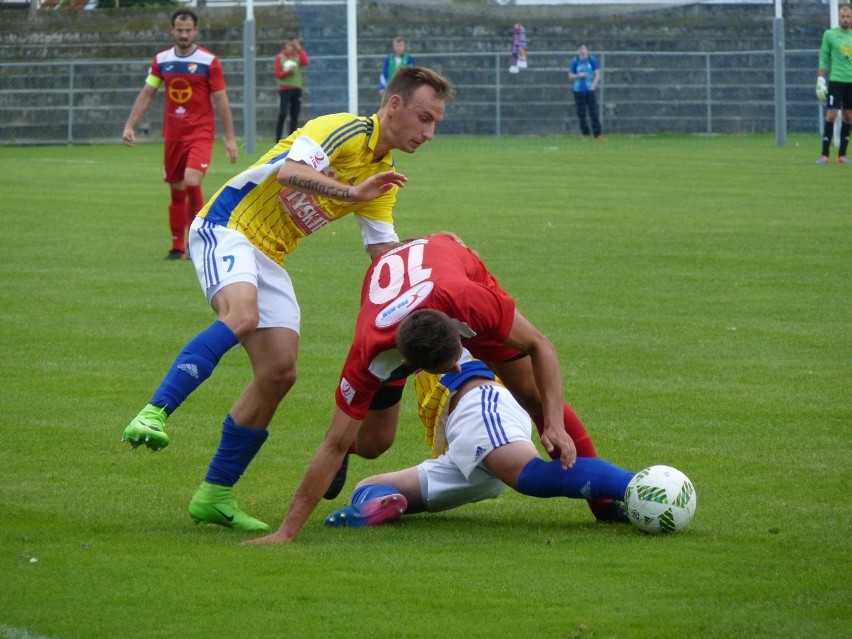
x,y
87,101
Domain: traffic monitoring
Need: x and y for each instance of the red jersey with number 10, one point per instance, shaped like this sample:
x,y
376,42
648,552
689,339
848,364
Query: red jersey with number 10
x,y
435,272
189,83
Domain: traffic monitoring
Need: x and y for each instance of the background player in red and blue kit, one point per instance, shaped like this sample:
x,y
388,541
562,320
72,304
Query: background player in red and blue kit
x,y
192,76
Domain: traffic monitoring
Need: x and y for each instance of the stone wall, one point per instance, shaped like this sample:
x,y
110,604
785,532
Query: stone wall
x,y
436,27
655,65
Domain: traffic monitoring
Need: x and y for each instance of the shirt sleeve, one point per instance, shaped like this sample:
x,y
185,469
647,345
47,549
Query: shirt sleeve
x,y
488,312
376,231
155,77
305,149
825,53
216,79
356,389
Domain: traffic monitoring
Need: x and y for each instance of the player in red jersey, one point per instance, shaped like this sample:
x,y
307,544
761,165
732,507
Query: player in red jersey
x,y
439,273
192,77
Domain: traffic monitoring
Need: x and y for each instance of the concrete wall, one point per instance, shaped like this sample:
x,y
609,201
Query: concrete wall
x,y
436,27
655,79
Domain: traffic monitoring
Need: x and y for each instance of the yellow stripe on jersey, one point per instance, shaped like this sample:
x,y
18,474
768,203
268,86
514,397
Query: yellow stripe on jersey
x,y
275,218
432,399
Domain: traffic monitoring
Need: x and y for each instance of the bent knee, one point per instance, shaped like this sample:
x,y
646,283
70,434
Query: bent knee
x,y
373,447
279,378
242,322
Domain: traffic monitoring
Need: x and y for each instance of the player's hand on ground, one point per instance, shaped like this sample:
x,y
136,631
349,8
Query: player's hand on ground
x,y
129,136
822,90
377,185
274,538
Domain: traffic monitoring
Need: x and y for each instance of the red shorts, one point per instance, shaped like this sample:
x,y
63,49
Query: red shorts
x,y
186,154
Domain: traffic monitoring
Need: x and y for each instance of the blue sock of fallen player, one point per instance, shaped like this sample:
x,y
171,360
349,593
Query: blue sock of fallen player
x,y
588,478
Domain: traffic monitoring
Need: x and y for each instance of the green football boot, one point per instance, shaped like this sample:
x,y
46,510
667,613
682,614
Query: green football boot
x,y
214,504
149,428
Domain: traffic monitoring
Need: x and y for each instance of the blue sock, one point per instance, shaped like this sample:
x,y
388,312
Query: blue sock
x,y
237,448
588,478
366,493
193,365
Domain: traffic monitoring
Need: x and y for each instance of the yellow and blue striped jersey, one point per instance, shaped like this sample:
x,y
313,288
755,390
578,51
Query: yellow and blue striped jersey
x,y
432,398
433,393
275,218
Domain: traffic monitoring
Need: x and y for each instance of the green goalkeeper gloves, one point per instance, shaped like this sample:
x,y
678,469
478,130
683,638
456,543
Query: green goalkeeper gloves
x,y
821,90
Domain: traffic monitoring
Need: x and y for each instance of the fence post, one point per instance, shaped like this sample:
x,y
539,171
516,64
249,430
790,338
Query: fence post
x,y
249,81
602,102
498,111
70,136
780,84
709,94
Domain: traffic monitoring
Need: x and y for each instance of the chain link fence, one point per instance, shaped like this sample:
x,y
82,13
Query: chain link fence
x,y
88,101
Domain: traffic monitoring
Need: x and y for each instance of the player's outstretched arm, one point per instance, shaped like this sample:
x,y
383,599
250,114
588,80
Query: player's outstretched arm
x,y
548,378
377,185
302,177
324,465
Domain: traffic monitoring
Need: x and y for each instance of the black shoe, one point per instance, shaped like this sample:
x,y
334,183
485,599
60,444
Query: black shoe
x,y
175,254
339,480
613,513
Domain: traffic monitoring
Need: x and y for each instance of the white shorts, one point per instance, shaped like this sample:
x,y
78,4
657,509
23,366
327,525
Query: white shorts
x,y
223,256
444,487
486,418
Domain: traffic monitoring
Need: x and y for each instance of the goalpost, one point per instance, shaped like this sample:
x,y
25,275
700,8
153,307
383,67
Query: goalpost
x,y
351,97
250,59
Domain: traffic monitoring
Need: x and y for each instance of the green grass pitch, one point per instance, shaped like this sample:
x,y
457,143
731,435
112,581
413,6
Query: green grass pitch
x,y
698,289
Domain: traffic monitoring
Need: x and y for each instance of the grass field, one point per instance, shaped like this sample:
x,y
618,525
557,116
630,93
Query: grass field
x,y
699,291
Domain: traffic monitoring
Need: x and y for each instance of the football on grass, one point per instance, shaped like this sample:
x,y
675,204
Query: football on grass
x,y
660,499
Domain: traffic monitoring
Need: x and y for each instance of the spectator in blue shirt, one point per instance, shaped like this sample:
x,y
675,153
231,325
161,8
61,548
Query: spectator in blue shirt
x,y
585,71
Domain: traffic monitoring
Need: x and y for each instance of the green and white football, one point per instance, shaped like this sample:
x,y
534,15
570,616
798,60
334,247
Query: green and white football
x,y
660,499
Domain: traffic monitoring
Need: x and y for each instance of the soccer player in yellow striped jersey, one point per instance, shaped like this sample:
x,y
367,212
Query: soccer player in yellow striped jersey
x,y
275,216
334,165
